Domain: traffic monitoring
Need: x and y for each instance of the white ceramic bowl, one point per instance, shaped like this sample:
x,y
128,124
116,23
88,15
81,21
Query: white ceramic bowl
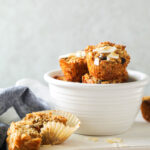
x,y
104,109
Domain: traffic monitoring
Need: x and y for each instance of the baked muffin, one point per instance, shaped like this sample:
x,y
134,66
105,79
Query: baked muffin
x,y
22,135
42,117
145,108
45,127
73,66
90,79
46,121
107,61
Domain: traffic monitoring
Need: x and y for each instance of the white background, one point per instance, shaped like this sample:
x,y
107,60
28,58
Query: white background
x,y
33,33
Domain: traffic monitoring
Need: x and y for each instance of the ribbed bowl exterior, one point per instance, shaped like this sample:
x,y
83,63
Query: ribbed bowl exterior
x,y
102,109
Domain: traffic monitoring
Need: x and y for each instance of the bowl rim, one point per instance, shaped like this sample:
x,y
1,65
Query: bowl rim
x,y
141,80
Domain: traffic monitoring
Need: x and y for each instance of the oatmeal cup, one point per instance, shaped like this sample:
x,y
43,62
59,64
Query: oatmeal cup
x,y
90,79
73,66
107,61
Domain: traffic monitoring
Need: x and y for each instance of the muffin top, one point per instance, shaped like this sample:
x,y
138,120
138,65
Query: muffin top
x,y
107,51
23,127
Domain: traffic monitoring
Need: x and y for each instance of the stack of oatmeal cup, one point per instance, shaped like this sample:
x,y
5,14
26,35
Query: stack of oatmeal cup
x,y
104,63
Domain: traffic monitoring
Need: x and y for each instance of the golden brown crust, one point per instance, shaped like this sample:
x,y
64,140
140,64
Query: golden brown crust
x,y
73,68
89,48
106,70
23,142
92,80
110,44
22,136
101,44
145,108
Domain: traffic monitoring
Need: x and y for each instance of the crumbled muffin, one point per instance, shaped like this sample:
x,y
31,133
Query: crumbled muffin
x,y
107,61
22,135
26,134
74,66
145,108
39,118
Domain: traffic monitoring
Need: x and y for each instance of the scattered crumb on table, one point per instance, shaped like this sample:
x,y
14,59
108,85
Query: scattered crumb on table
x,y
94,139
114,140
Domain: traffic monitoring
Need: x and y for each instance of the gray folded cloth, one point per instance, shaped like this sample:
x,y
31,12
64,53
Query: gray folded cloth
x,y
23,101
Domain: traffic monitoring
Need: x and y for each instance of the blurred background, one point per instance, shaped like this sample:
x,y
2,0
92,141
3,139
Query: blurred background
x,y
33,33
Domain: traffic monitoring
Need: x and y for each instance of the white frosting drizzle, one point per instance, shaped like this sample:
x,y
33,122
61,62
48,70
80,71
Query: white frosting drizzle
x,y
67,55
80,53
101,55
105,49
96,61
77,54
112,55
108,49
